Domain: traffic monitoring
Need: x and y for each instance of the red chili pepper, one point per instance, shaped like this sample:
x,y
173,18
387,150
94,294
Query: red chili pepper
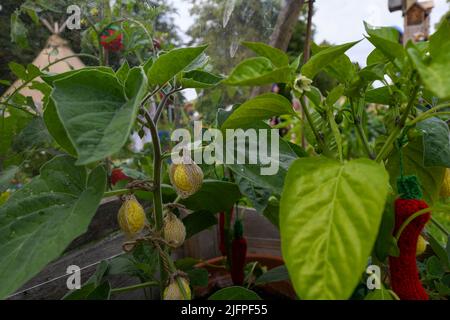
x,y
238,254
111,39
405,279
222,235
118,175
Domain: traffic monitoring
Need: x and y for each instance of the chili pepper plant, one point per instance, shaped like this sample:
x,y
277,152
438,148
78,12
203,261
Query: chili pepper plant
x,y
335,197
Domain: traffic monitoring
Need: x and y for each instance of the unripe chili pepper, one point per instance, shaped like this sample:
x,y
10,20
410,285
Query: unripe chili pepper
x,y
118,175
405,279
238,254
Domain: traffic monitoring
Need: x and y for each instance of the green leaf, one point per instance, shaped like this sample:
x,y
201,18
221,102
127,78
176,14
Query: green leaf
x,y
6,176
329,218
214,196
384,240
102,292
41,219
262,107
35,134
122,72
375,57
433,69
315,96
10,127
440,251
200,79
258,196
323,58
430,177
95,112
56,129
275,55
51,78
234,293
198,221
18,30
273,275
436,142
387,33
386,40
372,72
334,95
258,71
198,277
18,70
381,95
252,172
186,264
341,68
380,294
168,65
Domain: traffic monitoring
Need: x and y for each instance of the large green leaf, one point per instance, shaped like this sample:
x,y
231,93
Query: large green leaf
x,y
168,65
436,142
430,177
40,220
234,293
214,196
324,58
95,111
56,129
262,107
433,69
258,71
329,219
276,56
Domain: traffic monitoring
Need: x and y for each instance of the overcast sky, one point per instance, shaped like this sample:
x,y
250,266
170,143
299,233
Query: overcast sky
x,y
339,21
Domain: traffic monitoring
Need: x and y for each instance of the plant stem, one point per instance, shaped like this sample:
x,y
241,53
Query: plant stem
x,y
398,128
134,287
115,193
318,137
360,130
364,139
157,194
409,220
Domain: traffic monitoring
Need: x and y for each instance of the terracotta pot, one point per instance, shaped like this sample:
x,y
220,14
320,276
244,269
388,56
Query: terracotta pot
x,y
221,278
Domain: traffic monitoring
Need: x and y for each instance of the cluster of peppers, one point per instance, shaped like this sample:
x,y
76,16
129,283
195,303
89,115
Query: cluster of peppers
x,y
237,252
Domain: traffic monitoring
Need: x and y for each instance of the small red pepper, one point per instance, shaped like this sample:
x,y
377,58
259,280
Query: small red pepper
x,y
238,254
118,175
222,233
111,39
404,273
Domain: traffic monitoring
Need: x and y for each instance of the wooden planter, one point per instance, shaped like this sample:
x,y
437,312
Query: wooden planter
x,y
103,241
